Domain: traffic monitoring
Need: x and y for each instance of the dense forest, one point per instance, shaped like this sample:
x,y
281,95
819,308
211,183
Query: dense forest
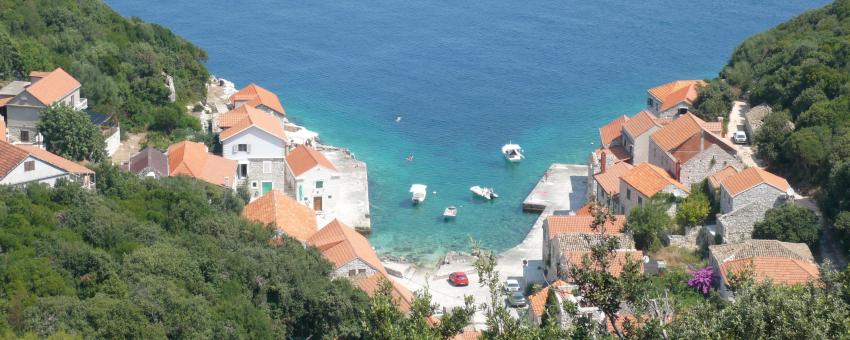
x,y
120,62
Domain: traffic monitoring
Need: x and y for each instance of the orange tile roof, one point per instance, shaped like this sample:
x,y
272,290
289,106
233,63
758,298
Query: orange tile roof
x,y
192,159
610,179
53,86
256,95
289,216
718,177
55,160
750,178
580,224
340,244
780,270
584,210
537,301
304,158
612,130
263,121
2,129
3,101
10,157
617,152
640,123
677,132
232,117
649,179
402,297
617,264
675,92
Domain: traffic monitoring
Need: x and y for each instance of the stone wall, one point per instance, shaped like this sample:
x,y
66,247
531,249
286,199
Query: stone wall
x,y
707,163
694,238
353,265
763,194
255,174
737,226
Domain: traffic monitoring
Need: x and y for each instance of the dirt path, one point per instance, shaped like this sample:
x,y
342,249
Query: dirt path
x,y
736,122
129,147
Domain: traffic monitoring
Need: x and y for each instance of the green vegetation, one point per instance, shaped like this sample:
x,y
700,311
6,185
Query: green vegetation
x,y
789,223
694,209
649,223
119,61
715,100
71,134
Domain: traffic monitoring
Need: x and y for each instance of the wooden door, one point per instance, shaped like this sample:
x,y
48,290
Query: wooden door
x,y
317,203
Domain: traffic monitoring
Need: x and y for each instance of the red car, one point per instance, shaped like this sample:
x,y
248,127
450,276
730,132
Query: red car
x,y
459,279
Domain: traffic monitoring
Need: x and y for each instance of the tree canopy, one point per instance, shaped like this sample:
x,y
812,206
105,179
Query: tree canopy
x,y
71,134
789,223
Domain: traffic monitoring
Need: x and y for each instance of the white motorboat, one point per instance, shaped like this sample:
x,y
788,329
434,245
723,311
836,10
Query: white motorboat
x,y
418,192
487,193
450,212
512,152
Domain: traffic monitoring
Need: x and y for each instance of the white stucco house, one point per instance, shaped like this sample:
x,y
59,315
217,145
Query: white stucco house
x,y
25,164
635,135
23,101
258,144
310,178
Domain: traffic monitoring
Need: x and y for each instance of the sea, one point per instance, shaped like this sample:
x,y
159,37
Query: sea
x,y
465,78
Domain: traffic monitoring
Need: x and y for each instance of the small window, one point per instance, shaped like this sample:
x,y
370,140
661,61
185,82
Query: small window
x,y
352,272
649,102
361,271
628,194
320,184
242,147
267,167
683,110
25,136
29,165
640,201
243,170
254,184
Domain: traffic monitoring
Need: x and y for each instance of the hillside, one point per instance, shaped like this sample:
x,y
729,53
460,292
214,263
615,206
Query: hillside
x,y
119,61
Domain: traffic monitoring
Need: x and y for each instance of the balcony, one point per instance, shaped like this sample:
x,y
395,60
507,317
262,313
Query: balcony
x,y
82,104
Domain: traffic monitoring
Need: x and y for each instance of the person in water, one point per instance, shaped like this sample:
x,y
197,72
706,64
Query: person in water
x,y
409,158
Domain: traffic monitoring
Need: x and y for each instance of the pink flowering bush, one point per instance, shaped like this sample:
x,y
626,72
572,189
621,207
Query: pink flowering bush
x,y
701,280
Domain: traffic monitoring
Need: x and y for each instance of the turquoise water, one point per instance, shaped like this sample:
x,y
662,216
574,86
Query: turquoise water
x,y
467,77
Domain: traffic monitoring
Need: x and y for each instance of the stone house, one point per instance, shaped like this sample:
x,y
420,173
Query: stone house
x,y
258,144
673,98
608,184
310,178
194,160
645,181
25,164
755,119
348,251
610,134
283,213
259,98
782,263
635,135
23,101
613,155
689,151
744,199
717,178
148,163
570,224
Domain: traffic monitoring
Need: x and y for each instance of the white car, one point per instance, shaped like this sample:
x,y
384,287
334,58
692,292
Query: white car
x,y
739,137
512,285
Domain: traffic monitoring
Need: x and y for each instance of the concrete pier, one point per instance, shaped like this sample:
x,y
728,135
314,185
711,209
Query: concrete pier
x,y
352,195
560,185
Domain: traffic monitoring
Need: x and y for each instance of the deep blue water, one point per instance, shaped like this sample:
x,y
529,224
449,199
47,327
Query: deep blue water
x,y
467,77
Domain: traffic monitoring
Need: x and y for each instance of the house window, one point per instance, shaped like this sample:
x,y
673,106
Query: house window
x,y
254,184
628,194
352,272
649,102
25,136
242,147
243,171
361,271
683,110
267,167
320,184
29,165
640,201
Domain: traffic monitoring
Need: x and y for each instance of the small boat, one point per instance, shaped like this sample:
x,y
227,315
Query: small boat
x,y
418,192
450,212
487,193
512,152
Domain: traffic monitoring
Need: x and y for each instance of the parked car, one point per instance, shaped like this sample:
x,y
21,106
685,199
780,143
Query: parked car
x,y
459,279
739,137
517,299
512,285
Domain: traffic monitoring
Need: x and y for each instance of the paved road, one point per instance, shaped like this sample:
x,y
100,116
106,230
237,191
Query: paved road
x,y
736,122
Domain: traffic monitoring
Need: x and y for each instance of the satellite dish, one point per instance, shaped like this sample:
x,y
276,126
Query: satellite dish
x,y
645,259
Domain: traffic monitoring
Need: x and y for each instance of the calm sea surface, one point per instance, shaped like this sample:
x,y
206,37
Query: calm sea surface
x,y
467,77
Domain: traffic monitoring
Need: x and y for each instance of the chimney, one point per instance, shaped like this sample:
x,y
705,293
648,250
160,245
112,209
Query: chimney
x,y
603,159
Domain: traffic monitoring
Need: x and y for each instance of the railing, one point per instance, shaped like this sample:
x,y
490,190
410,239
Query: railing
x,y
82,104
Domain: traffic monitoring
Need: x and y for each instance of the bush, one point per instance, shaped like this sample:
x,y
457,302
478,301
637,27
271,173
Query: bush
x,y
648,224
71,134
789,223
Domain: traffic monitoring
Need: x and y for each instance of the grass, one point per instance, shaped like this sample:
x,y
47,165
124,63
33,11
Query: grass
x,y
680,258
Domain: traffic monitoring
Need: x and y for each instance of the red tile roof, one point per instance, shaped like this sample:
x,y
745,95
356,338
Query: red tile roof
x,y
580,224
52,86
612,130
3,101
256,118
617,264
10,157
649,179
192,159
340,244
55,160
537,301
232,117
675,92
640,123
780,270
610,179
256,95
304,158
617,152
718,177
682,138
289,216
750,178
402,297
584,210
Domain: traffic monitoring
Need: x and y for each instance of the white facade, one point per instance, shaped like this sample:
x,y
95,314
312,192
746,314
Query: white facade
x,y
261,159
315,188
24,112
34,170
